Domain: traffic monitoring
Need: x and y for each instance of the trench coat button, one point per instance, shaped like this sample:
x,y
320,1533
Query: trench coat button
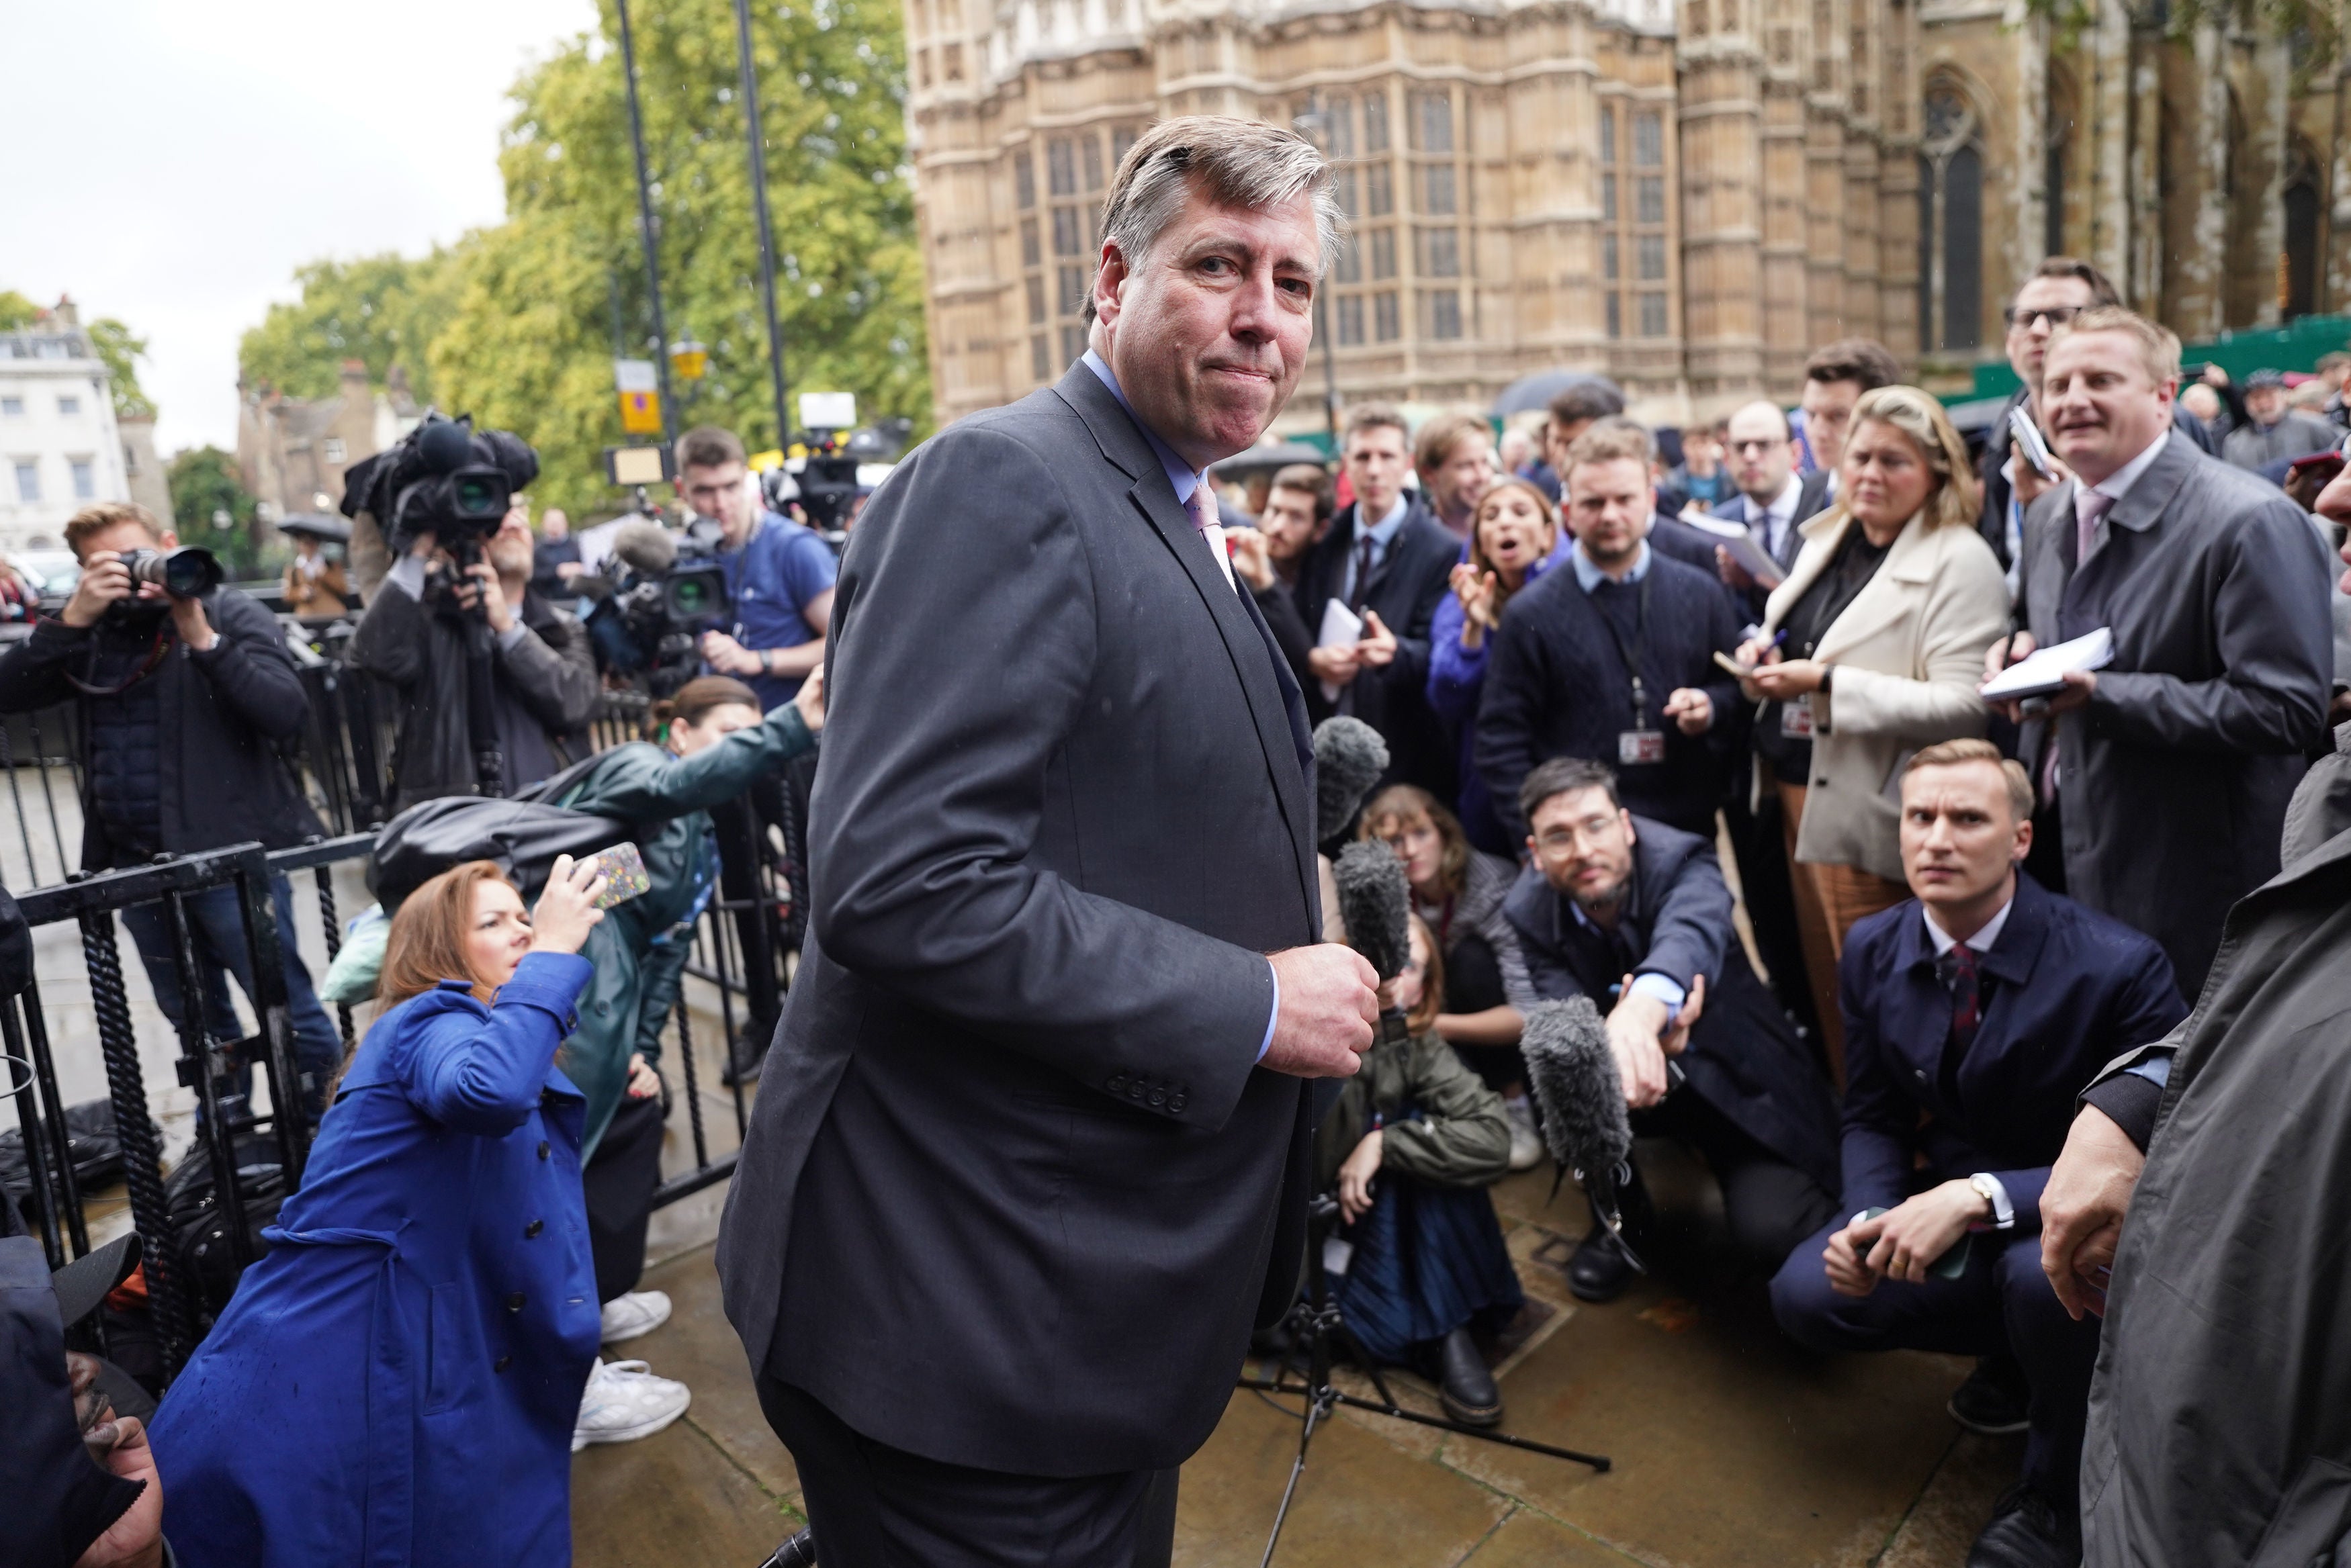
x,y
514,1302
1824,783
533,1228
1117,1085
542,1149
502,1363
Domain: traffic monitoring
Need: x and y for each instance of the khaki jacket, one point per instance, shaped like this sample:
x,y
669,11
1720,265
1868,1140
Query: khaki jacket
x,y
1910,654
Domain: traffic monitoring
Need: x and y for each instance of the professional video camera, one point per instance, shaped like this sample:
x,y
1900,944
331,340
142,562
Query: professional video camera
x,y
443,478
827,486
666,590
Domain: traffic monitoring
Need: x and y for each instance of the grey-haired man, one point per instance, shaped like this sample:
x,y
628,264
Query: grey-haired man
x,y
1032,1152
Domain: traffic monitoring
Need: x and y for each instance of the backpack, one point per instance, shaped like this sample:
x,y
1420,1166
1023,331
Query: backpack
x,y
523,833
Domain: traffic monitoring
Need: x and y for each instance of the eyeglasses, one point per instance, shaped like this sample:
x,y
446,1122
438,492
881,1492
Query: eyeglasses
x,y
2055,315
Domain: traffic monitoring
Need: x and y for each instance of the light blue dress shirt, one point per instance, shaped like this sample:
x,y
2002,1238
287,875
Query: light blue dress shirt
x,y
1589,576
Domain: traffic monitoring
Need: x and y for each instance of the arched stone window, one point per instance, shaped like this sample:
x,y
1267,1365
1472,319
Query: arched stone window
x,y
1950,221
2299,286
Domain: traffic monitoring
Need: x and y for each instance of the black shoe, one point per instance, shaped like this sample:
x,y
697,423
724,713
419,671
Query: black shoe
x,y
1995,1401
1600,1271
2027,1532
1464,1385
745,1060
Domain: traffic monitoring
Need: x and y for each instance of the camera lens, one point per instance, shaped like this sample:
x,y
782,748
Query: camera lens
x,y
692,597
473,497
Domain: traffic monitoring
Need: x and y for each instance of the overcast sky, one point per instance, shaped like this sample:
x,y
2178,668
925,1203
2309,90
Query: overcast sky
x,y
171,164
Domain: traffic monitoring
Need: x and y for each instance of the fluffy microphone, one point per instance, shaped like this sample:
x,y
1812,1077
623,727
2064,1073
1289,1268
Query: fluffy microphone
x,y
646,547
1349,758
1375,906
1581,1097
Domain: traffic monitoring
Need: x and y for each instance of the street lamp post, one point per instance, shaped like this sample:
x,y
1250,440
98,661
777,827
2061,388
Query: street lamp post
x,y
645,221
760,210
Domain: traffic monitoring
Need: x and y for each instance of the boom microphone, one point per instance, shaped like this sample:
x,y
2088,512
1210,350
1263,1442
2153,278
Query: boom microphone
x,y
1349,758
1581,1097
647,547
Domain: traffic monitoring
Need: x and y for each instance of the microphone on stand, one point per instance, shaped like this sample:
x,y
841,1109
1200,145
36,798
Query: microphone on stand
x,y
1581,1097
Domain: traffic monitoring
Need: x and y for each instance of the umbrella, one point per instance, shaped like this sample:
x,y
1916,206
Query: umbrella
x,y
1266,458
333,530
1536,391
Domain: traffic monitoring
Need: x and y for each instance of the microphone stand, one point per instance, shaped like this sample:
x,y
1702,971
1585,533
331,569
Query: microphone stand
x,y
1317,1321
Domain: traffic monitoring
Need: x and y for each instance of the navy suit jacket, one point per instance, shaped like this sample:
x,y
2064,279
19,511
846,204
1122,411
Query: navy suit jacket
x,y
1015,1187
1405,590
2070,990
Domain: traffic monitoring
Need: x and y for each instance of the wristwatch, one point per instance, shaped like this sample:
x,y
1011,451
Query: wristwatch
x,y
1987,1187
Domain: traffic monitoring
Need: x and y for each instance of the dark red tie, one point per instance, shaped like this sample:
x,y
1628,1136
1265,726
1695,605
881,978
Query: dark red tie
x,y
1958,972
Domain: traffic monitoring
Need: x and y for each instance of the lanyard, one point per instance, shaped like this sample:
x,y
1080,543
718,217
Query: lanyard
x,y
1629,652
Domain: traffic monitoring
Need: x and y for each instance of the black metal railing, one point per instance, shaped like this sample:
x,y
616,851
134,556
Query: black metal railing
x,y
740,947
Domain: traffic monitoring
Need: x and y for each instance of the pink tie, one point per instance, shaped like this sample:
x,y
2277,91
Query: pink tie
x,y
1202,507
2089,507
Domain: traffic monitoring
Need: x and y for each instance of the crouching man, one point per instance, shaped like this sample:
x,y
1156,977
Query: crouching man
x,y
1974,1013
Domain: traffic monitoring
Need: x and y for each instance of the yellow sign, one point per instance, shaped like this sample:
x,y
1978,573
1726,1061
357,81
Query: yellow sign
x,y
640,413
690,359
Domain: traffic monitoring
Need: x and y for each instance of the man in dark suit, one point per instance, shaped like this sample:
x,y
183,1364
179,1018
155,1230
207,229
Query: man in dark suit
x,y
1611,656
1772,498
2167,773
1607,893
1389,560
1974,1012
1031,1151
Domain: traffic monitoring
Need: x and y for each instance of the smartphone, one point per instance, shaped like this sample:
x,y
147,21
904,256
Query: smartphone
x,y
624,868
2029,444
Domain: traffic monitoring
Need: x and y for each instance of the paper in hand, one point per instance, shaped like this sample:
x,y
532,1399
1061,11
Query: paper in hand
x,y
1341,627
2042,672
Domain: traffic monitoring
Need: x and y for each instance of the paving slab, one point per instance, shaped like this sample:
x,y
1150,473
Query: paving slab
x,y
673,1499
697,1345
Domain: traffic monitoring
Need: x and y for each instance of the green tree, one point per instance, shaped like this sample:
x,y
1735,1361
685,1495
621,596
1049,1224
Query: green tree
x,y
383,310
15,310
206,483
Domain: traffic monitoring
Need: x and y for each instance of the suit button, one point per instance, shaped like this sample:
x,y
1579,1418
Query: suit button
x,y
502,1363
542,1149
1919,1074
1158,1096
1117,1085
1175,1101
514,1302
1134,1091
533,1228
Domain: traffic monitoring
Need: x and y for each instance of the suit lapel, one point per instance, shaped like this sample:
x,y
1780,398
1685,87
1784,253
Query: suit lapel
x,y
1247,644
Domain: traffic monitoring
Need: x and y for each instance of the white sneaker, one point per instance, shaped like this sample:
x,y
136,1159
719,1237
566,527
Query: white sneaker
x,y
1526,1144
639,1312
624,1401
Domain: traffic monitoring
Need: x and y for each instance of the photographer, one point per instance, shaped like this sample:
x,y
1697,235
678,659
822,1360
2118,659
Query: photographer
x,y
543,674
779,575
179,703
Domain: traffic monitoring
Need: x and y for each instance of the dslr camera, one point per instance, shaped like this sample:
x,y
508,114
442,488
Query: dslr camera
x,y
443,478
187,573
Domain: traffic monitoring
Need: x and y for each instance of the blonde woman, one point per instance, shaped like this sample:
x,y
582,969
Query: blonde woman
x,y
1871,650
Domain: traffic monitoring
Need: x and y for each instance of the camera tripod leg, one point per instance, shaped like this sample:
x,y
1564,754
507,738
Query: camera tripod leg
x,y
1317,1407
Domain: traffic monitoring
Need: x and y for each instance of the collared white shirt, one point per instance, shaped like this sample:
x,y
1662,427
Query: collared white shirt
x,y
1776,519
1382,534
1982,942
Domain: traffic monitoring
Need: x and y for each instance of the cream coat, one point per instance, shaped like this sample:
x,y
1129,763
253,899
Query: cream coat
x,y
1910,654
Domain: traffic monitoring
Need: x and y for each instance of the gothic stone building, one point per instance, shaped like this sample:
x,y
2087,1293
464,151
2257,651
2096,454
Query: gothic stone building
x,y
1685,197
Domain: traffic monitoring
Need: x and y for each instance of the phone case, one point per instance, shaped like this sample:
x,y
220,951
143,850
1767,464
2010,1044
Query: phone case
x,y
625,868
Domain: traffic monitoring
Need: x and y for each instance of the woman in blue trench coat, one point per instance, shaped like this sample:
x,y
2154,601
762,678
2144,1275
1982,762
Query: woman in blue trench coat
x,y
395,1383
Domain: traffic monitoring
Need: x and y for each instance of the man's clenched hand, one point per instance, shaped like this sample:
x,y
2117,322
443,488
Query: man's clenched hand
x,y
1329,999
